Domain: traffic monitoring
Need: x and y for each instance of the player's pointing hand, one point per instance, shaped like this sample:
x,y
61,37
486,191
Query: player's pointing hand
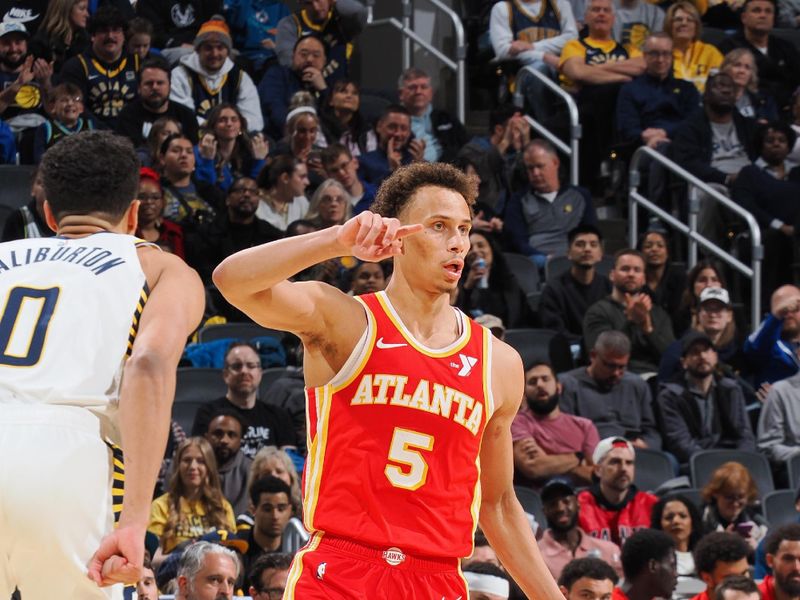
x,y
371,237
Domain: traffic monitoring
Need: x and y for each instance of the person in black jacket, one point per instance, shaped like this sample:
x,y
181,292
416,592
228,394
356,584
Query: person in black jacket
x,y
176,22
702,410
443,134
714,144
777,67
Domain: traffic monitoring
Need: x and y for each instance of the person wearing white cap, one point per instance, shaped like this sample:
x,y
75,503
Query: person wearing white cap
x,y
612,509
703,409
715,319
24,79
486,581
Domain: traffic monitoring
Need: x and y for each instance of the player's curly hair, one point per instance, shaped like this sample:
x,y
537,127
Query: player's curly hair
x,y
210,495
400,186
93,172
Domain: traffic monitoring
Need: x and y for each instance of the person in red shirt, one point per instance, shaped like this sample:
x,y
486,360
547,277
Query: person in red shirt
x,y
783,557
410,403
650,566
719,555
587,579
612,509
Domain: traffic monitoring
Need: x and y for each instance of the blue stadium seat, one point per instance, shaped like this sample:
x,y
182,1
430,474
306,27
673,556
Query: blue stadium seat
x,y
236,331
652,469
199,385
779,507
531,504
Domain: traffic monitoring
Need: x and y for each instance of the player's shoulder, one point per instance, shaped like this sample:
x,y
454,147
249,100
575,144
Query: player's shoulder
x,y
505,357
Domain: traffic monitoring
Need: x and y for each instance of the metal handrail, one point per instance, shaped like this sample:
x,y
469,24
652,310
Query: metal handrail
x,y
572,151
636,199
404,27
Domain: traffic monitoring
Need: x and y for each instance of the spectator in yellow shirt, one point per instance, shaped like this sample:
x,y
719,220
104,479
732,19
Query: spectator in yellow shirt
x,y
692,59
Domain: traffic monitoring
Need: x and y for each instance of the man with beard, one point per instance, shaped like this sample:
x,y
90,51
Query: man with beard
x,y
564,541
566,298
24,80
714,144
783,553
264,424
225,436
630,310
137,118
105,74
612,509
234,229
773,348
617,403
546,441
701,409
650,566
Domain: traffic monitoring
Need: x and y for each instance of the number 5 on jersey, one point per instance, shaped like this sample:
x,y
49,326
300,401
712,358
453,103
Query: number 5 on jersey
x,y
404,450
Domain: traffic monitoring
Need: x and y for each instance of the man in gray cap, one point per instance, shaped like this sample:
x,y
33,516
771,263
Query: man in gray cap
x,y
701,409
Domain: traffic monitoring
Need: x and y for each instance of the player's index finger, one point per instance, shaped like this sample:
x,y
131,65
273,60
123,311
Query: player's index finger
x,y
407,230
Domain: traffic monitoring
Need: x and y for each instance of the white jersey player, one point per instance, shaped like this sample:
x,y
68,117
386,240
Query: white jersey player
x,y
92,325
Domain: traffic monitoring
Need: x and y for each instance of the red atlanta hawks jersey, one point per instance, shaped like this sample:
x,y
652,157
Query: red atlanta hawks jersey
x,y
394,439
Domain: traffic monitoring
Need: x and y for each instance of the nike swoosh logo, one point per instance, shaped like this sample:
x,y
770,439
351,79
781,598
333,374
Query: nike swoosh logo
x,y
384,346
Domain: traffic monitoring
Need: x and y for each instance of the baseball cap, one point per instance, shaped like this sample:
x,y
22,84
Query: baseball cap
x,y
715,293
695,337
227,539
495,324
558,486
605,446
7,27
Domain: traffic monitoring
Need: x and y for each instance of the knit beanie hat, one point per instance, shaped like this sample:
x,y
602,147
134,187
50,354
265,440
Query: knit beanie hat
x,y
214,30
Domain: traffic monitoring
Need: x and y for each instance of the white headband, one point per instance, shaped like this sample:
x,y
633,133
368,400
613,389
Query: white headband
x,y
300,110
490,584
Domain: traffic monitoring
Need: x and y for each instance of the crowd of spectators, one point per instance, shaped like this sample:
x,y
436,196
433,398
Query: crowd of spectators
x,y
250,126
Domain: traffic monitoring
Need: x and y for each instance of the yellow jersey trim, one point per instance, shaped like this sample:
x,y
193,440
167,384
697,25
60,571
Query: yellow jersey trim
x,y
297,565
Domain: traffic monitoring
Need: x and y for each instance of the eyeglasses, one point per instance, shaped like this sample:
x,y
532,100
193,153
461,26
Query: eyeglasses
x,y
735,497
237,367
68,99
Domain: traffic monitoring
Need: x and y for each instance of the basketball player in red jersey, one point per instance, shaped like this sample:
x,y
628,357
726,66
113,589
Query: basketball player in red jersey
x,y
410,403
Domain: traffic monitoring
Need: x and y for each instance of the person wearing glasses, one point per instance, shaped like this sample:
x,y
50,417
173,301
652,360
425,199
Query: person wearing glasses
x,y
268,576
153,226
264,424
66,109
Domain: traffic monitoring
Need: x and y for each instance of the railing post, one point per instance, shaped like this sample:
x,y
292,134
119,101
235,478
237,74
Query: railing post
x,y
408,10
574,142
461,75
633,207
694,209
755,292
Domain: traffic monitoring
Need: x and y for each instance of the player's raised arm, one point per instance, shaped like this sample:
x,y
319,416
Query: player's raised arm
x,y
502,518
172,311
255,280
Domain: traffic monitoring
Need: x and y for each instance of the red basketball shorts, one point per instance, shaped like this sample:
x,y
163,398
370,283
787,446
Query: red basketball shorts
x,y
332,568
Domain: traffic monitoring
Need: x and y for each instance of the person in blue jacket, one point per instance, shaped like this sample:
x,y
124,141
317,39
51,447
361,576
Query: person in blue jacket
x,y
772,348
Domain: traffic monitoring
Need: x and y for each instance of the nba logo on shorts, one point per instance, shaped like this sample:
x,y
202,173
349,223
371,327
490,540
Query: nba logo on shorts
x,y
321,570
393,556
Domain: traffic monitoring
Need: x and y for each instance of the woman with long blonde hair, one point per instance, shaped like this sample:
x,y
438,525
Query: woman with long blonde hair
x,y
194,503
62,33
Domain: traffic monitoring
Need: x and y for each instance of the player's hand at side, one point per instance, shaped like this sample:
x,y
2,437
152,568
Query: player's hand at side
x,y
371,237
119,558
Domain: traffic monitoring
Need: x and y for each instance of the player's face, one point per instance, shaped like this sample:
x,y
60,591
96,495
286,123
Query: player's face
x,y
193,469
587,588
242,371
436,255
723,569
212,55
215,581
225,436
146,588
616,469
272,513
277,469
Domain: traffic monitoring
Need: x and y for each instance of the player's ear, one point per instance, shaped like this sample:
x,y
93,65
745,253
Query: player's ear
x,y
49,217
132,217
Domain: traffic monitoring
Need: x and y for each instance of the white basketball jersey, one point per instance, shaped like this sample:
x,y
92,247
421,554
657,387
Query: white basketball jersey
x,y
69,311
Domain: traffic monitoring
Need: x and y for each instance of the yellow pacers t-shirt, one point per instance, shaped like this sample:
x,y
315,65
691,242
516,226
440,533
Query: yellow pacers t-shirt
x,y
192,522
593,52
695,64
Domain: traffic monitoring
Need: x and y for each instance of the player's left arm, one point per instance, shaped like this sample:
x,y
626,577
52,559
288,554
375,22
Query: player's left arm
x,y
502,518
